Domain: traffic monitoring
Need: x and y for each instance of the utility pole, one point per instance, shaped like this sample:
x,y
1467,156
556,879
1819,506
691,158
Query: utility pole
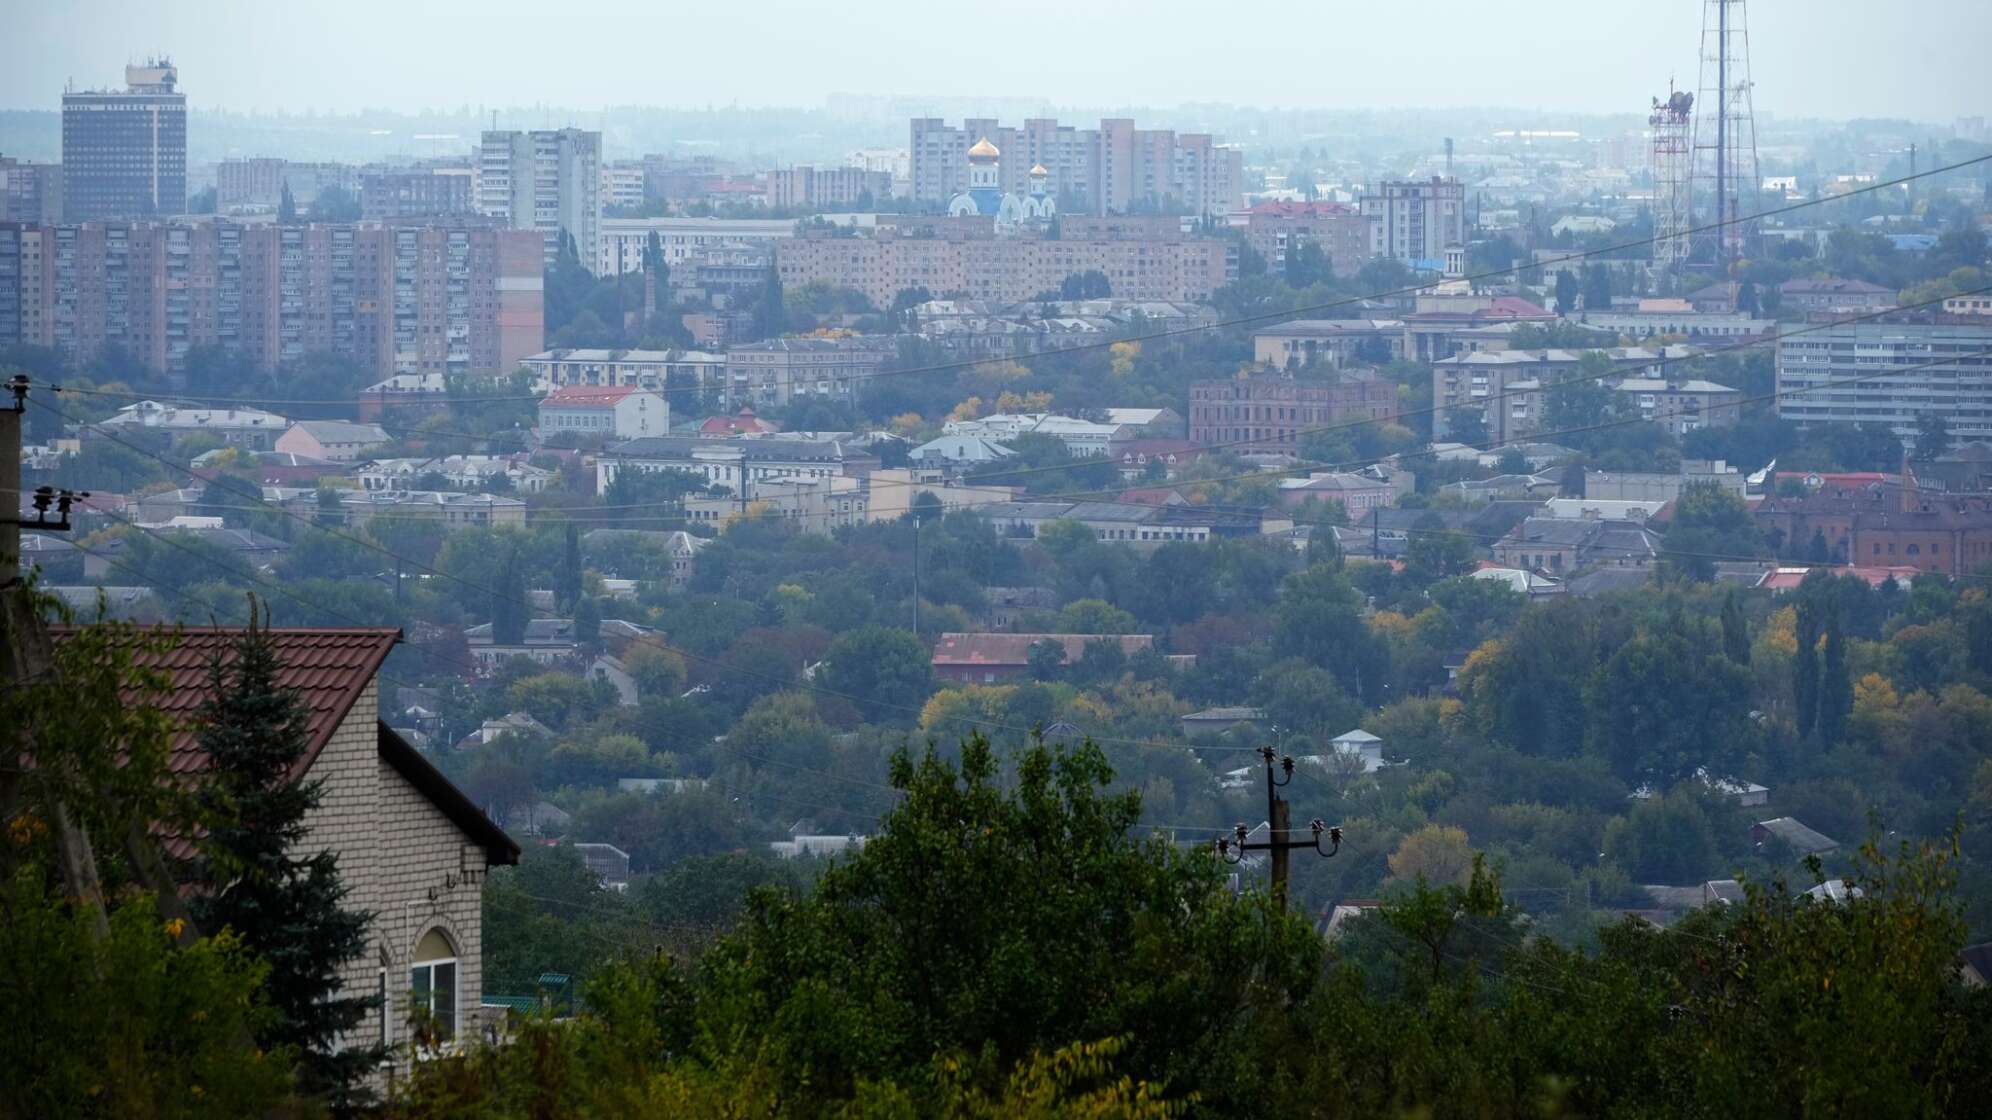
x,y
1279,823
26,654
916,573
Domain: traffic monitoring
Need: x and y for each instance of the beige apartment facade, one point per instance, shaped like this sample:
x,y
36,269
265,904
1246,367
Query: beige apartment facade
x,y
1007,269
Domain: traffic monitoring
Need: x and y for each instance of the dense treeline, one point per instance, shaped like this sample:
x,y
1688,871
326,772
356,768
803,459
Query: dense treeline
x,y
1011,944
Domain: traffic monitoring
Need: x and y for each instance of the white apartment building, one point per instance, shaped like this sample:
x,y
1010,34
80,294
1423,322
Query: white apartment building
x,y
1852,373
644,369
622,184
1416,221
545,180
683,240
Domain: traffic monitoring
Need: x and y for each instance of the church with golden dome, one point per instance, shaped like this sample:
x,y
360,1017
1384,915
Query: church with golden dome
x,y
1012,211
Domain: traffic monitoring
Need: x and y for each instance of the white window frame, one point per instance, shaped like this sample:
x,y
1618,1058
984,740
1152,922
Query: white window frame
x,y
456,990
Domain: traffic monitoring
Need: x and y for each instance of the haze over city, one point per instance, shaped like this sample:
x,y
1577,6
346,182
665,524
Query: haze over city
x,y
1828,58
1150,561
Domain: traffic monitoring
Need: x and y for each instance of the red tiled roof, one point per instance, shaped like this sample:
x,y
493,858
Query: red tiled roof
x,y
328,668
1788,579
1015,649
601,395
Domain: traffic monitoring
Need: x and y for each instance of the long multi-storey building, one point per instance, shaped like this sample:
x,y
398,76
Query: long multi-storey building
x,y
779,370
1854,373
546,180
124,152
1175,267
1418,221
393,194
1275,229
1111,169
245,186
1271,414
820,188
682,240
397,299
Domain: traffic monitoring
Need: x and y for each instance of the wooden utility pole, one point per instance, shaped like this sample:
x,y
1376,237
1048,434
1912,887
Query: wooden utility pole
x,y
27,656
1279,822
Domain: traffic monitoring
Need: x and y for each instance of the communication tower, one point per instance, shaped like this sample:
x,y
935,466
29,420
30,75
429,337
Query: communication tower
x,y
1670,125
1725,148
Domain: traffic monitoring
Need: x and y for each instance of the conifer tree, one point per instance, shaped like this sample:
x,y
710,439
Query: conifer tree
x,y
1735,631
1805,667
508,605
259,878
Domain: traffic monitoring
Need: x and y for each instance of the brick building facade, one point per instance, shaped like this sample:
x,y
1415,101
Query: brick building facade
x,y
1272,414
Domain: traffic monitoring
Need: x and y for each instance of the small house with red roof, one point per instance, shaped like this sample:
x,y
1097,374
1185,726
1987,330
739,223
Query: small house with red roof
x,y
412,848
742,423
614,411
989,658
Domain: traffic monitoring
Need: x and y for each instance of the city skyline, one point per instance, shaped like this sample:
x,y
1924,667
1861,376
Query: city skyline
x,y
328,60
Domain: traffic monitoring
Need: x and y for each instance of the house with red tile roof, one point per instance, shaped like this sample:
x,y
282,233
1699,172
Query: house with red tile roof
x,y
412,848
990,658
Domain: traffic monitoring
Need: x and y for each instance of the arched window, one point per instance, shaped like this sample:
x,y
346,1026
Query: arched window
x,y
1913,550
433,981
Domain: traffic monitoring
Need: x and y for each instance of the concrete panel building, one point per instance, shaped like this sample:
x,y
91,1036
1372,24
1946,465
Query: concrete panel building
x,y
545,180
1105,170
1850,374
396,299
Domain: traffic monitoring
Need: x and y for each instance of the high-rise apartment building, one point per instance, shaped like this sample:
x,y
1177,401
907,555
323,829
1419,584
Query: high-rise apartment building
x,y
124,152
549,180
1854,373
30,192
456,298
1112,169
1417,221
622,184
825,187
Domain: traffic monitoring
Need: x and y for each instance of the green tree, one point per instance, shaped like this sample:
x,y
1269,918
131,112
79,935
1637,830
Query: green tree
x,y
509,609
1582,400
1467,426
261,879
286,207
1320,622
1735,630
1597,287
998,917
1566,292
1932,436
567,580
1836,689
1094,616
1805,666
1046,660
887,669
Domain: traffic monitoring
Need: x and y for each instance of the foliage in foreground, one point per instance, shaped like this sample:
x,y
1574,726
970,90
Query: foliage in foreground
x,y
1010,945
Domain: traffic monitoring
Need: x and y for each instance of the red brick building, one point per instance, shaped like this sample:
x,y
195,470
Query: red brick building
x,y
1271,414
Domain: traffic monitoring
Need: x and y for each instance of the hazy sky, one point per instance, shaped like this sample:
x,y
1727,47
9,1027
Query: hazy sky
x,y
1828,58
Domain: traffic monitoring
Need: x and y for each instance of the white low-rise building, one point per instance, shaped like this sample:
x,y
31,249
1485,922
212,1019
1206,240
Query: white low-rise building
x,y
616,411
